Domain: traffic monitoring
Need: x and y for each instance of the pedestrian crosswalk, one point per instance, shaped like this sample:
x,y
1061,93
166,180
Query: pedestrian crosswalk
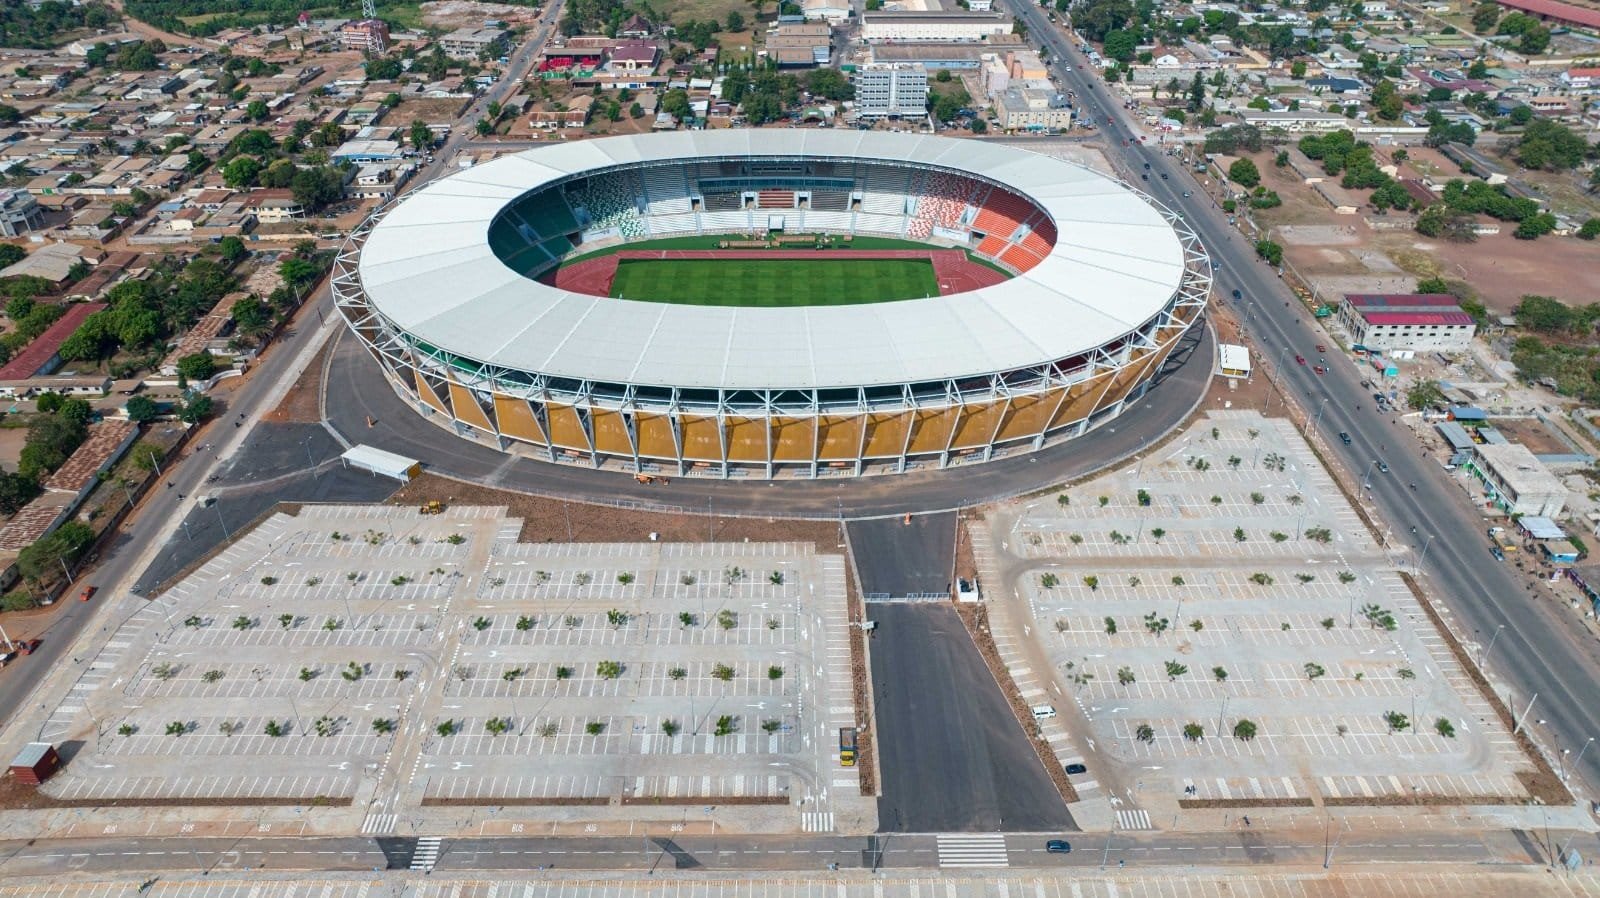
x,y
817,821
977,850
427,853
1134,819
378,824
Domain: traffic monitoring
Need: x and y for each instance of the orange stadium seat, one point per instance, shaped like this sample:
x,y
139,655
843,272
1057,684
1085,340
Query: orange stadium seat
x,y
991,246
1019,258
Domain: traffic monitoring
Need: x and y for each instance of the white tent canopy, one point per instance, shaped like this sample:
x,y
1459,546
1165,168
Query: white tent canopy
x,y
377,461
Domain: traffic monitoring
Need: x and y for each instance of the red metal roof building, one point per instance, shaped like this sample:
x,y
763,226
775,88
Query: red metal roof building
x,y
1407,322
42,355
1556,12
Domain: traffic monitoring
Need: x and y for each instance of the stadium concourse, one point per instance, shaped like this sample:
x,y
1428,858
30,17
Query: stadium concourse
x,y
1038,301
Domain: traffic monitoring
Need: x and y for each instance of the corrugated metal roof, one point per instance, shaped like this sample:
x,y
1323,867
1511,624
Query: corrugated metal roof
x,y
1415,318
428,268
1401,300
1577,15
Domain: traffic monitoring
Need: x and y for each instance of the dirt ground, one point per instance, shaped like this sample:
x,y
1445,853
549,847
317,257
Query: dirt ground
x,y
12,439
451,14
1532,433
428,109
302,404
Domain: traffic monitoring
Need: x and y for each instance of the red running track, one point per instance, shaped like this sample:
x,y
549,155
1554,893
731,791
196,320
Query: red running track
x,y
951,267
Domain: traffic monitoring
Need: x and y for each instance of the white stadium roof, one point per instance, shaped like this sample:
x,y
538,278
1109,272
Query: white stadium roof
x,y
427,267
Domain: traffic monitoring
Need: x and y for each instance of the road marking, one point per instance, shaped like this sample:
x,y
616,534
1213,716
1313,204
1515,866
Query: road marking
x,y
427,853
987,850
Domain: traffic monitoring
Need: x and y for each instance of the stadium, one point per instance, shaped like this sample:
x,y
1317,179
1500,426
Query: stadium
x,y
772,303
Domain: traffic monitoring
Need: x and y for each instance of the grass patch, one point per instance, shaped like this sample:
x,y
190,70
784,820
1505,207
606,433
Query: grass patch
x,y
774,283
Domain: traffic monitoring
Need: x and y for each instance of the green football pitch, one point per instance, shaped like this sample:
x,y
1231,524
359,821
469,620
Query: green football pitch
x,y
774,283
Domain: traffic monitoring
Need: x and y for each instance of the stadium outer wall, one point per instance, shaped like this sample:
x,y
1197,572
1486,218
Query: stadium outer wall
x,y
656,429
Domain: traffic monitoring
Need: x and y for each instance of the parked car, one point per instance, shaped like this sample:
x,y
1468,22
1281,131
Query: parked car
x,y
1344,437
1075,769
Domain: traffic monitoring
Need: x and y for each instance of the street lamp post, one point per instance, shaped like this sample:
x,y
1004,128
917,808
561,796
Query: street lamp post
x,y
1424,556
1316,426
1366,479
1483,656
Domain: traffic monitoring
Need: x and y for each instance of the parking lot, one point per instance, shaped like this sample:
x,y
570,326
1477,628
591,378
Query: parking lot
x,y
388,660
1228,629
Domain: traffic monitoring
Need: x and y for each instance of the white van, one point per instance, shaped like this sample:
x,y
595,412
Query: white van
x,y
1041,712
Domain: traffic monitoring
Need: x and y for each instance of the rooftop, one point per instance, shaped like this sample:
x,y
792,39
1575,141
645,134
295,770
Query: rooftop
x,y
1454,319
427,268
37,354
1520,469
104,440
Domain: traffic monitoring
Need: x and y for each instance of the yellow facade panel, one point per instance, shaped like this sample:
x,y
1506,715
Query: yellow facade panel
x,y
1028,415
428,395
977,425
566,430
930,430
747,439
516,419
841,437
793,439
467,408
610,432
1080,401
886,434
701,442
655,436
1129,378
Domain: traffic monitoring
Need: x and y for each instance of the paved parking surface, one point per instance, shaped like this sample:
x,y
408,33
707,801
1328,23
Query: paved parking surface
x,y
1283,613
389,659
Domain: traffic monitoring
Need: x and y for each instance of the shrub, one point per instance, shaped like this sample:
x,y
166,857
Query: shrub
x,y
382,726
727,619
177,728
1319,534
670,728
1396,721
625,578
617,618
1156,625
608,670
1125,676
677,673
595,727
1239,534
775,578
1193,732
211,676
1445,728
1157,533
1177,580
276,729
1221,673
447,728
1048,581
563,673
725,725
1406,673
547,730
1327,623
1111,626
1175,670
307,674
1144,733
686,619
524,622
1313,671
481,623
722,672
1244,730
775,672
1092,582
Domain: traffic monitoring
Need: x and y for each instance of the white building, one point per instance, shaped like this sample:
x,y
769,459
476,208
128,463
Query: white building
x,y
19,213
1023,109
832,11
469,43
1517,481
891,90
1418,322
954,25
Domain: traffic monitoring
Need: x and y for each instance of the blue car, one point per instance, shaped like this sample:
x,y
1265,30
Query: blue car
x,y
1058,846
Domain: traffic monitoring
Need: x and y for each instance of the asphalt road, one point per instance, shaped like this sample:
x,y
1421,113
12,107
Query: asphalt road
x,y
899,557
1238,847
953,757
1538,651
362,392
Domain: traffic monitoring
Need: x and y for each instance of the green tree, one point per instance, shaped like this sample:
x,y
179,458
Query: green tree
x,y
197,409
257,110
421,135
1244,173
232,249
1484,17
198,366
1590,229
1548,145
141,409
241,172
42,561
1270,251
1120,45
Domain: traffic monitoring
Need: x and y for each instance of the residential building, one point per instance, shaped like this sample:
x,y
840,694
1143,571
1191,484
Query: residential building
x,y
891,90
801,44
43,355
1418,322
19,213
274,205
368,35
1025,109
634,56
470,43
1516,481
1294,121
915,25
955,57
